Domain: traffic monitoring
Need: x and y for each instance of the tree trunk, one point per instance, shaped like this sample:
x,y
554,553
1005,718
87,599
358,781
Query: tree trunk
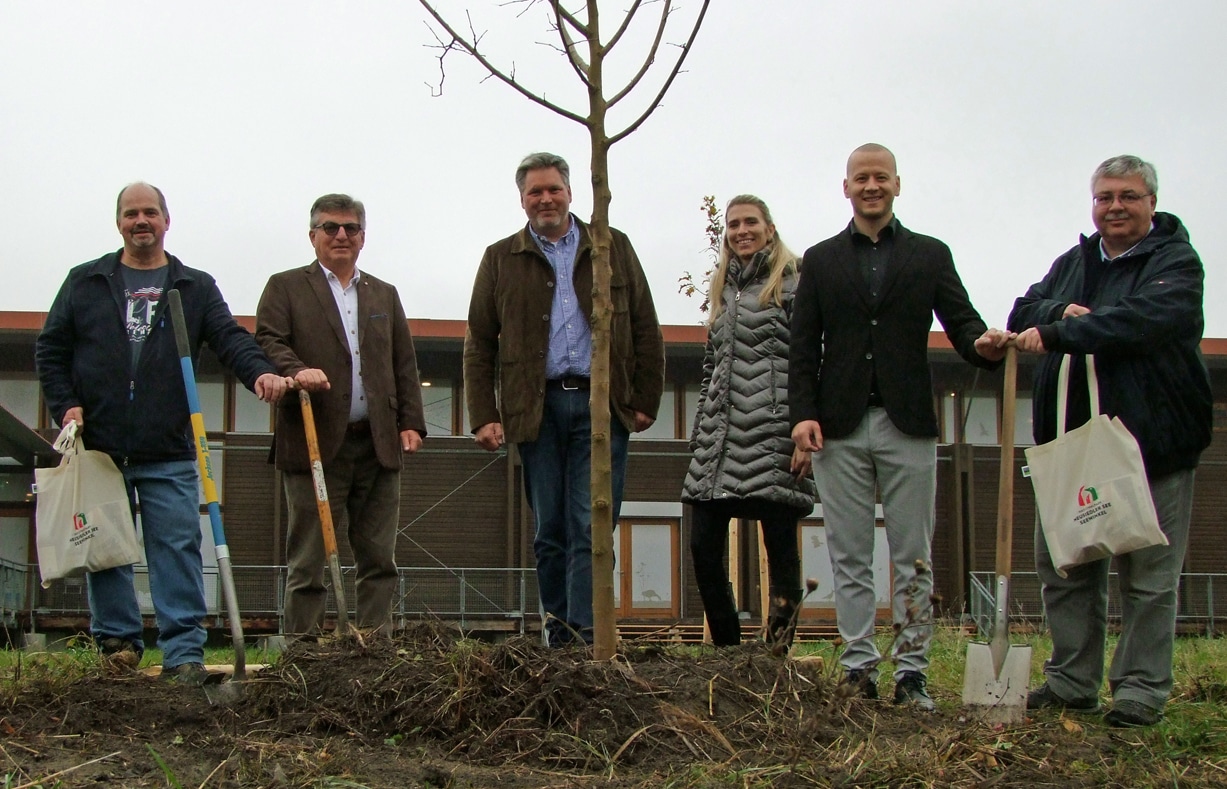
x,y
605,633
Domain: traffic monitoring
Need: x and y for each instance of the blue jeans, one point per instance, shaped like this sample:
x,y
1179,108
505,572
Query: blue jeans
x,y
170,523
557,471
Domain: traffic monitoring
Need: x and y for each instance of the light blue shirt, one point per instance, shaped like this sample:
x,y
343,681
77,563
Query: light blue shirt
x,y
347,304
570,349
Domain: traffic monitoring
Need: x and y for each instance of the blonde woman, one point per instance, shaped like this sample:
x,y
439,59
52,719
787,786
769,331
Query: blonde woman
x,y
744,463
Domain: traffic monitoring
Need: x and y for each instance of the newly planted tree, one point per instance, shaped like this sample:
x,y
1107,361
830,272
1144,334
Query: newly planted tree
x,y
688,283
585,50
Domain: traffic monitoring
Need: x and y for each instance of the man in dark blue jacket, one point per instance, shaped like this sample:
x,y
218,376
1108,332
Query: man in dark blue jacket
x,y
107,352
1130,295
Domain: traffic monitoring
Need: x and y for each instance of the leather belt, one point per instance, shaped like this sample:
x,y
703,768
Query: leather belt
x,y
360,428
570,383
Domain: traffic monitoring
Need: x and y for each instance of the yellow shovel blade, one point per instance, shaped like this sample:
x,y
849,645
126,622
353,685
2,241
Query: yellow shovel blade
x,y
997,697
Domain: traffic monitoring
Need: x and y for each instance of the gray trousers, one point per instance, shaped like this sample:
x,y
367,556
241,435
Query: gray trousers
x,y
1077,609
849,472
364,498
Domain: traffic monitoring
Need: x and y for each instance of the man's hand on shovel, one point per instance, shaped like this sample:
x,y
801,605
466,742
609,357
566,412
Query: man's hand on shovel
x,y
311,379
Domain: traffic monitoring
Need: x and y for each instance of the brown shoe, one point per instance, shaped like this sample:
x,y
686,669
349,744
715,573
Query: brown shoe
x,y
192,674
119,654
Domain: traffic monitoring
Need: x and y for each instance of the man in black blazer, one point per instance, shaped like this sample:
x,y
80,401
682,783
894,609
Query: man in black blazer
x,y
861,399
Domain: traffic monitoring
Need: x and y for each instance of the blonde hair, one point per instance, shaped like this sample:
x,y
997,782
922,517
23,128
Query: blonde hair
x,y
780,261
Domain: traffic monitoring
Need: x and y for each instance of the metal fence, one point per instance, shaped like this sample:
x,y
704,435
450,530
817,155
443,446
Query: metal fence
x,y
1195,600
461,594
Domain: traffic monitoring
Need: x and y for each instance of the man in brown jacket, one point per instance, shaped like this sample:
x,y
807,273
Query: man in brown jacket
x,y
527,360
342,335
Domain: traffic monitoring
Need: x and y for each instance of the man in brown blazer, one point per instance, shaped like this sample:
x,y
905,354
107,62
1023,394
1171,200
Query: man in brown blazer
x,y
342,335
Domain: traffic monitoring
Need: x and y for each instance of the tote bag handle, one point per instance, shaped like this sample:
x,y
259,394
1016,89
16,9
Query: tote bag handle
x,y
1063,389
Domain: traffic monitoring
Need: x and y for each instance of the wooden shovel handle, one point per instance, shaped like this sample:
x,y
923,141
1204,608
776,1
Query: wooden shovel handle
x,y
1005,485
317,474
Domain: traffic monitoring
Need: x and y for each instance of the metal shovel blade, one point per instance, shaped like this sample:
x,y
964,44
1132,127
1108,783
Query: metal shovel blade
x,y
996,676
997,696
225,693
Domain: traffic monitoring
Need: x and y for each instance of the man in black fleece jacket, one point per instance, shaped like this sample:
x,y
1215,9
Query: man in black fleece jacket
x,y
1131,296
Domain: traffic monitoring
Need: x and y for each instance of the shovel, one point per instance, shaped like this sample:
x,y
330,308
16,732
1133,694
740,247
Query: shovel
x,y
210,493
321,501
996,676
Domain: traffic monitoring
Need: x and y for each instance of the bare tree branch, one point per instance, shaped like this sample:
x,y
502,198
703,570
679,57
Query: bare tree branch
x,y
572,52
649,59
471,48
626,22
677,67
572,20
528,5
437,91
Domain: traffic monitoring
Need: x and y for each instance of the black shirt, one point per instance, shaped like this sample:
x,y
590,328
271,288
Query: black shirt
x,y
873,257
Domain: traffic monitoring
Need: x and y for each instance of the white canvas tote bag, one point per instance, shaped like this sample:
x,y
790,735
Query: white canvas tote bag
x,y
1090,485
83,519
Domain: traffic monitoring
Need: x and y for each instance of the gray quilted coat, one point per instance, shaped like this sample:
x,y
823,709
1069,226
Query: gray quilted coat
x,y
742,442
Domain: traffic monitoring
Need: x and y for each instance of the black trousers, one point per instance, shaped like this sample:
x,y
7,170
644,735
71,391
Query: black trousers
x,y
709,539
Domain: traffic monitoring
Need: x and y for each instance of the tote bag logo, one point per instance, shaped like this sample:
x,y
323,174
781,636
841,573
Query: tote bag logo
x,y
1091,506
1087,495
78,521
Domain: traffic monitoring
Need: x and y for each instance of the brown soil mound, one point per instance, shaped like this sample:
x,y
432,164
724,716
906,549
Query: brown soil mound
x,y
427,709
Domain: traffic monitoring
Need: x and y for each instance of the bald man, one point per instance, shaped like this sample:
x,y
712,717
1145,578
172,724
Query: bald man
x,y
861,400
107,360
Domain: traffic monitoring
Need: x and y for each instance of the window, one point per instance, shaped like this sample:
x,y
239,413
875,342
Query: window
x,y
212,404
982,422
665,425
646,577
950,418
19,396
251,415
437,402
1024,434
690,406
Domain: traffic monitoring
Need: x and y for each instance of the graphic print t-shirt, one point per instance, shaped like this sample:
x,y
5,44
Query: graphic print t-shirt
x,y
142,290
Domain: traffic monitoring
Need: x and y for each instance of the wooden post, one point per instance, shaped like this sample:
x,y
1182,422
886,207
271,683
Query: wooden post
x,y
764,579
735,564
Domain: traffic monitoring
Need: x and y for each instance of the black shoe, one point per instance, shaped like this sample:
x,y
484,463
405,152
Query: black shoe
x,y
782,619
1044,697
865,685
1127,713
720,611
910,689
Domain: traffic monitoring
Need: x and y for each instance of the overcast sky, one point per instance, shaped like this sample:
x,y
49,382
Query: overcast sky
x,y
244,113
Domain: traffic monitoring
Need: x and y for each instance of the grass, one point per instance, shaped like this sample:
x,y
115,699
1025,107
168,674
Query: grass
x,y
1199,664
81,650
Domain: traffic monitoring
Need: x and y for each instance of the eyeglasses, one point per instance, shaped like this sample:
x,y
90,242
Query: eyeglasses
x,y
1126,198
331,228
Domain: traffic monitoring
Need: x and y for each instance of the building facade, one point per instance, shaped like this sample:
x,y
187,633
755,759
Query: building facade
x,y
466,535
